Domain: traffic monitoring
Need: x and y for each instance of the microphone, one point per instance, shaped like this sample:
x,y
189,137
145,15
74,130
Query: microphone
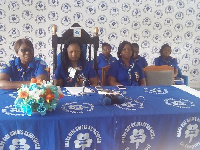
x,y
113,99
106,101
121,99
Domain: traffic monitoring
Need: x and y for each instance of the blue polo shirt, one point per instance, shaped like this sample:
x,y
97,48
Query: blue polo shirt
x,y
18,73
159,61
141,61
88,72
102,61
128,76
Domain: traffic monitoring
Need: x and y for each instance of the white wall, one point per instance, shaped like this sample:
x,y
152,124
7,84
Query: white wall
x,y
150,23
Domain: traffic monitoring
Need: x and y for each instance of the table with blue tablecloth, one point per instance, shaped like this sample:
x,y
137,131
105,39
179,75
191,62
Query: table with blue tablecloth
x,y
150,118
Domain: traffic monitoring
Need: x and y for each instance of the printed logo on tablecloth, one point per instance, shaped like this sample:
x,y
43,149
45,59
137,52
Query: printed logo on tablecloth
x,y
12,111
133,104
75,107
19,139
180,103
155,90
82,137
136,135
189,133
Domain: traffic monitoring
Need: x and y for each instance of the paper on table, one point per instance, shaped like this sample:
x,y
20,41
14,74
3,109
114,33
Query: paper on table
x,y
79,90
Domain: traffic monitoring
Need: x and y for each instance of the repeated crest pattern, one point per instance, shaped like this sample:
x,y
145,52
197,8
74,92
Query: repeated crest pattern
x,y
150,23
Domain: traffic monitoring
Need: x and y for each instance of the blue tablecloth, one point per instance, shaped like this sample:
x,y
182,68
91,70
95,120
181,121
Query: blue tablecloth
x,y
152,118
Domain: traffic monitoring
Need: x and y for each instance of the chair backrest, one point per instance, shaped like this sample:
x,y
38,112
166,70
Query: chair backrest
x,y
159,75
104,70
81,35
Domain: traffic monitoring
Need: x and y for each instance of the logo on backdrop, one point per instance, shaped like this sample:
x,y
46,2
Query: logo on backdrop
x,y
136,135
83,137
27,140
188,133
180,103
76,107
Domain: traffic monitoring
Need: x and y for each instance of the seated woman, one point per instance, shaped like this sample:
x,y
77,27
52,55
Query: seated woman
x,y
141,61
104,58
124,71
20,70
166,59
74,69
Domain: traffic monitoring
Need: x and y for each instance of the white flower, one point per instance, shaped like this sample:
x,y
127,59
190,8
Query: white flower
x,y
35,93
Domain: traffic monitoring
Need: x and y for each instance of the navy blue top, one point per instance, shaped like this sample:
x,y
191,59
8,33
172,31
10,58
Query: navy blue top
x,y
18,73
102,61
141,61
128,76
159,61
68,81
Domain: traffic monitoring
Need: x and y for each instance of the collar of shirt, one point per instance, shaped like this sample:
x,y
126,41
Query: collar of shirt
x,y
30,65
131,63
103,57
137,58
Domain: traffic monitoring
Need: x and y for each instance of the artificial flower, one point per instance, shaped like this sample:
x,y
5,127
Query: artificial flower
x,y
41,98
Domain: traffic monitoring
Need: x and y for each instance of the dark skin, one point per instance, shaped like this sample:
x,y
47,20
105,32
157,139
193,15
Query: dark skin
x,y
74,53
165,54
126,55
25,58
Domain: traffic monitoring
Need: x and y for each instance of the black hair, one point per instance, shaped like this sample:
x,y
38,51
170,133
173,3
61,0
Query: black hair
x,y
64,55
121,46
19,42
162,48
106,44
135,45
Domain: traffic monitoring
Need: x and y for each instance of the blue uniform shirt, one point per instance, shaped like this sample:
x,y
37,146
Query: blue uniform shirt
x,y
102,61
18,73
159,61
141,61
126,76
88,72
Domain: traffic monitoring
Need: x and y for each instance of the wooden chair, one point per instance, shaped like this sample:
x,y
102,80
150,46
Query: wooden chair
x,y
104,70
75,31
159,75
49,74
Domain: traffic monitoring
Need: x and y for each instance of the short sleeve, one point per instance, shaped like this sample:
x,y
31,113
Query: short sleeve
x,y
156,62
175,63
89,71
57,74
113,70
144,62
41,68
7,68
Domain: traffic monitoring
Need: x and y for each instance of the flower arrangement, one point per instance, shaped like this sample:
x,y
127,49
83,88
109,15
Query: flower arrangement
x,y
38,97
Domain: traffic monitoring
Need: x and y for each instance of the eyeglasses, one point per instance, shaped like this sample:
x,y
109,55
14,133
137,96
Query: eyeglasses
x,y
26,49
